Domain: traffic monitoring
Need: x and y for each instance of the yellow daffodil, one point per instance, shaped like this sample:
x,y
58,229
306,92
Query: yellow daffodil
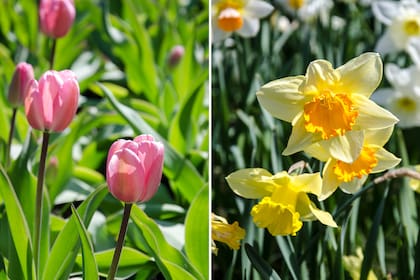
x,y
373,158
222,231
329,106
353,264
240,16
284,200
413,183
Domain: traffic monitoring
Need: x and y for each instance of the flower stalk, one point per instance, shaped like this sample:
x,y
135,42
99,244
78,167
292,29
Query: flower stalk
x,y
39,197
121,236
11,132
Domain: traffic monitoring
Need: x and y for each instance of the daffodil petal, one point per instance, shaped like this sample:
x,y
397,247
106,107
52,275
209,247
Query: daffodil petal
x,y
386,160
319,75
258,9
372,115
323,216
354,185
347,147
308,183
317,151
250,27
250,182
378,136
385,11
362,74
299,139
281,98
329,181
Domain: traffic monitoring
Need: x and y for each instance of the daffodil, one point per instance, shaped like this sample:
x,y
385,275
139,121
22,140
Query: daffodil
x,y
329,106
373,158
309,10
222,231
403,98
402,19
353,264
240,16
413,183
284,198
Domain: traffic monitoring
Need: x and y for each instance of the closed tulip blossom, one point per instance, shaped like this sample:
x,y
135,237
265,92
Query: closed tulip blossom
x,y
56,17
22,76
51,103
329,106
134,168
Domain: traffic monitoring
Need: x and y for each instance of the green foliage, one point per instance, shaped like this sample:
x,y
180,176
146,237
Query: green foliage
x,y
119,51
382,219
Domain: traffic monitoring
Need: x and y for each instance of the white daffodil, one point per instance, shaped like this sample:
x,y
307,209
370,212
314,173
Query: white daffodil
x,y
403,99
308,10
403,23
240,16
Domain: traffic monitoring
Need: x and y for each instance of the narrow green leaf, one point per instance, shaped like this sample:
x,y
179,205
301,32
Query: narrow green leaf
x,y
370,249
171,262
18,225
264,268
289,256
90,269
64,250
131,261
196,232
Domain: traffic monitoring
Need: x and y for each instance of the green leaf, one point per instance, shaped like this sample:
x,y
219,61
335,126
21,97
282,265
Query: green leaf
x,y
196,232
289,256
178,169
90,269
131,261
64,250
18,226
264,268
171,262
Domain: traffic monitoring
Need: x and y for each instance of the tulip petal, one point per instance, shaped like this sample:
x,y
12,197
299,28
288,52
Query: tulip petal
x,y
251,182
125,174
65,105
282,98
34,109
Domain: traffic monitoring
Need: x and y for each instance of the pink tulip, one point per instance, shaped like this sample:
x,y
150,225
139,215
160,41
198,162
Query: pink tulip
x,y
22,76
51,104
175,55
56,17
134,168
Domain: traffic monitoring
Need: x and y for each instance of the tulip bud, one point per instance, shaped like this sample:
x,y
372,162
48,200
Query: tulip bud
x,y
175,55
56,17
134,168
21,78
51,103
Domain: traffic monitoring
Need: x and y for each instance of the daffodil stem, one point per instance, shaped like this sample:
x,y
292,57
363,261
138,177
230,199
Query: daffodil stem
x,y
39,195
11,132
52,54
120,241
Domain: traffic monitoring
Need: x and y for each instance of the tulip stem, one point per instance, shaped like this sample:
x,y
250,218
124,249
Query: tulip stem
x,y
39,195
9,142
120,241
52,54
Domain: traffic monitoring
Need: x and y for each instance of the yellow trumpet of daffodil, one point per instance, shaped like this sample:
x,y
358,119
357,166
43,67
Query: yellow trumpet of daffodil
x,y
284,198
329,106
222,231
373,158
